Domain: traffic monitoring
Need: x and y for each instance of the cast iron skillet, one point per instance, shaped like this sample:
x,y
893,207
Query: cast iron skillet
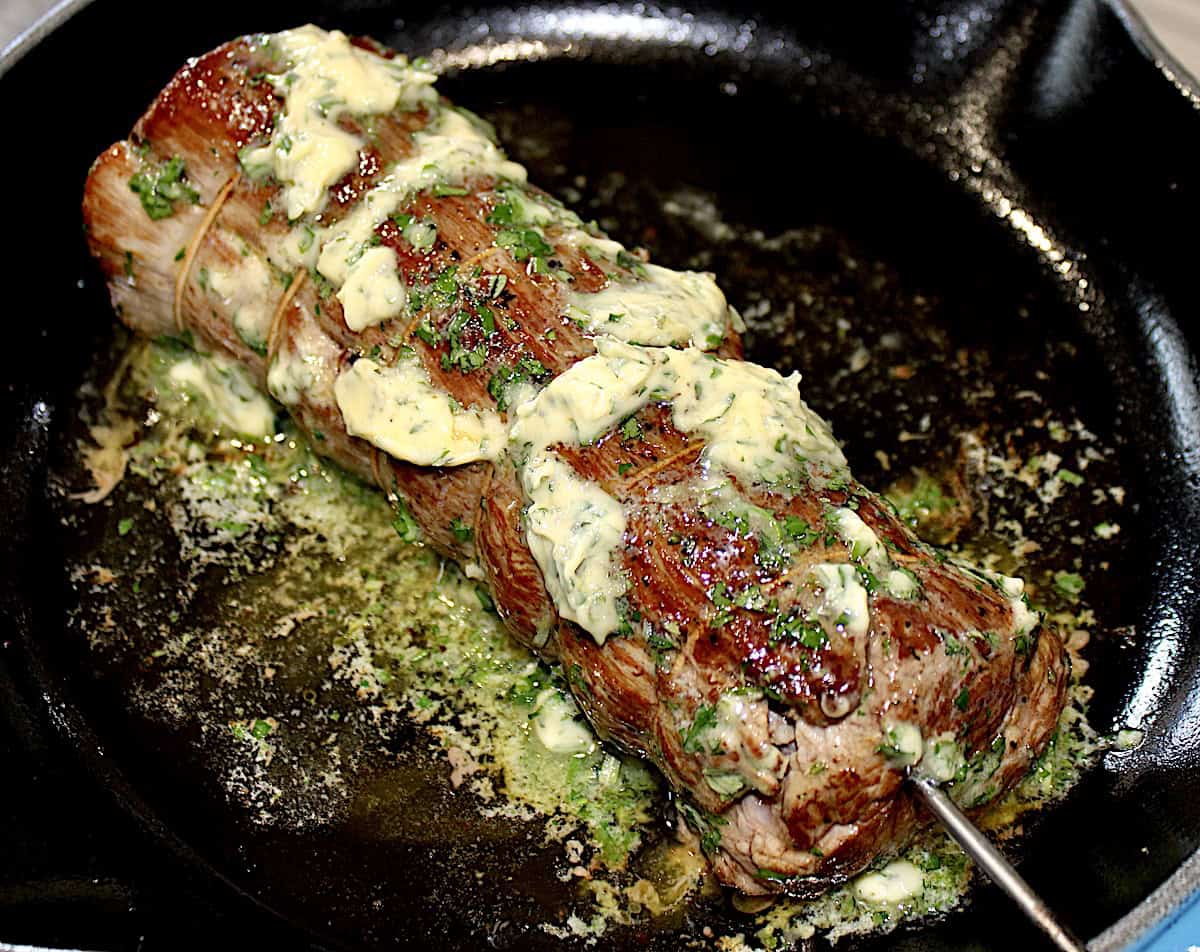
x,y
998,151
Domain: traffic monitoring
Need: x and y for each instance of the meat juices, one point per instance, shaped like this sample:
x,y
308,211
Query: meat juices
x,y
572,424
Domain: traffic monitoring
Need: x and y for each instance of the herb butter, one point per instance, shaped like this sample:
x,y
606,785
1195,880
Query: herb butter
x,y
223,384
1025,619
373,291
843,605
328,78
752,419
658,308
942,758
868,549
904,746
451,150
726,731
248,291
557,724
898,883
573,528
399,410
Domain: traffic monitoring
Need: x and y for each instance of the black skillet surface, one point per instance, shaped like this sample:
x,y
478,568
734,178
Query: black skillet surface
x,y
1001,155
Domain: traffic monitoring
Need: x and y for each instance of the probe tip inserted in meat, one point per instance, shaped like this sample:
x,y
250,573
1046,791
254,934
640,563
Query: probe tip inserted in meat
x,y
992,862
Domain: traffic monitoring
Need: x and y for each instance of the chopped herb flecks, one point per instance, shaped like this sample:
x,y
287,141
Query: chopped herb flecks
x,y
161,187
525,369
405,525
524,243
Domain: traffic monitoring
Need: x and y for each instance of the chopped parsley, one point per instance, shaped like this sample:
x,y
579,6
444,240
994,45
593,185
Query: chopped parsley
x,y
660,642
523,243
503,214
1069,584
527,368
707,826
160,188
418,232
798,531
799,629
630,262
705,719
442,292
719,596
466,359
425,332
260,729
496,285
405,525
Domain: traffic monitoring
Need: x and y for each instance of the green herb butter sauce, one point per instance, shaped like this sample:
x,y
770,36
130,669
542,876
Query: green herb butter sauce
x,y
573,528
906,745
843,598
247,291
223,386
866,546
941,758
329,78
373,292
399,410
664,307
456,149
755,767
896,883
408,635
753,420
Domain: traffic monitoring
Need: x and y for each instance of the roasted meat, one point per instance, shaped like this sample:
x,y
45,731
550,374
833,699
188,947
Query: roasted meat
x,y
574,425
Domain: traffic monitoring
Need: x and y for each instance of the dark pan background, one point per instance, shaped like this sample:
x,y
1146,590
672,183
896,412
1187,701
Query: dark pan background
x,y
930,116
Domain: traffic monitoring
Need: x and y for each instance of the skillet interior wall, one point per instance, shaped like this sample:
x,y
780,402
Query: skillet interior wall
x,y
130,57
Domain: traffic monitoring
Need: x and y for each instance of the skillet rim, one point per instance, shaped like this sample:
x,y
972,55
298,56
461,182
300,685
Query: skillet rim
x,y
1157,910
1182,888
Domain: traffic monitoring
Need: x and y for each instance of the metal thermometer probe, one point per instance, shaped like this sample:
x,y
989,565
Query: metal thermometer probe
x,y
992,862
